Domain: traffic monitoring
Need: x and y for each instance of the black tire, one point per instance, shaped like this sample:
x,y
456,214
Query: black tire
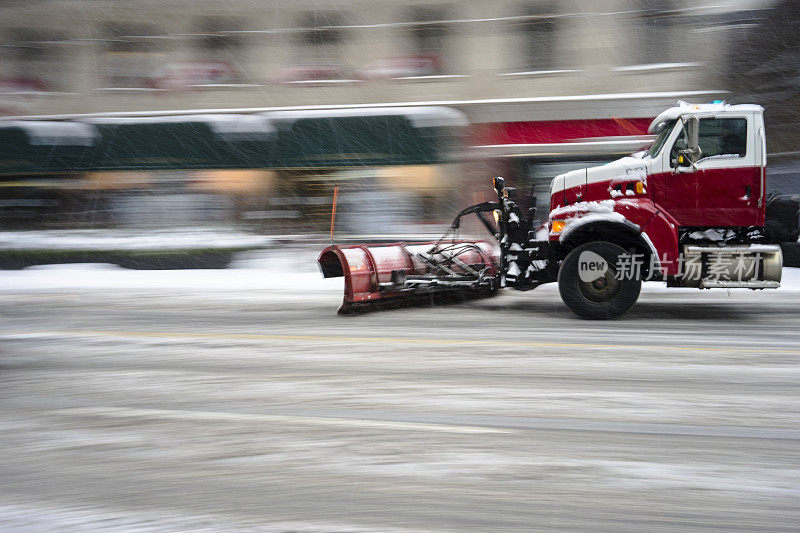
x,y
782,218
791,254
778,232
605,298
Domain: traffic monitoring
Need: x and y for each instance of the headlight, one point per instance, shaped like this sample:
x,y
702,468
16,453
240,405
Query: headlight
x,y
557,226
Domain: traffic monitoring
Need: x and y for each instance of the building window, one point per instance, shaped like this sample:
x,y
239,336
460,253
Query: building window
x,y
317,56
538,32
216,56
132,55
215,35
319,36
654,23
429,37
36,61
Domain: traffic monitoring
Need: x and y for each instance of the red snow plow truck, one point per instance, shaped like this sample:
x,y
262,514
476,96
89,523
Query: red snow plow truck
x,y
688,211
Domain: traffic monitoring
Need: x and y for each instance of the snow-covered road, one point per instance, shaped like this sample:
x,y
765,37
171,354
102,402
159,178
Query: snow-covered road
x,y
237,400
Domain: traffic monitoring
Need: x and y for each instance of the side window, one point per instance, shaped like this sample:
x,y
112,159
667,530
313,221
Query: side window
x,y
726,136
717,136
680,144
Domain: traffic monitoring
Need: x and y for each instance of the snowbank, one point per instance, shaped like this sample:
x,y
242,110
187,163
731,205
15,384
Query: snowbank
x,y
46,278
130,239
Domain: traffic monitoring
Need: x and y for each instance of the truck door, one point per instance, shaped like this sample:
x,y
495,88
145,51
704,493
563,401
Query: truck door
x,y
723,188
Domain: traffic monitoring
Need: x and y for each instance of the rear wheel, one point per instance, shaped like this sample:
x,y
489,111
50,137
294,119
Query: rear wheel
x,y
589,284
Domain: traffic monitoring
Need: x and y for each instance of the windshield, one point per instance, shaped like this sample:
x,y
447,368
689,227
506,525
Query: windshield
x,y
662,132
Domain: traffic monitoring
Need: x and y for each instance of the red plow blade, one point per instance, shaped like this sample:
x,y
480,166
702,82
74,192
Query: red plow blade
x,y
396,272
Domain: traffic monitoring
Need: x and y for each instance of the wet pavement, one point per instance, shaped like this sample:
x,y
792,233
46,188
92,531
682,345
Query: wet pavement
x,y
262,410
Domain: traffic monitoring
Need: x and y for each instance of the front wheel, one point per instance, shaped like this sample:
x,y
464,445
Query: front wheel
x,y
589,284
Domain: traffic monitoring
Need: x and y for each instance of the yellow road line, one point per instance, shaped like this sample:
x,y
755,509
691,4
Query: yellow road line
x,y
390,340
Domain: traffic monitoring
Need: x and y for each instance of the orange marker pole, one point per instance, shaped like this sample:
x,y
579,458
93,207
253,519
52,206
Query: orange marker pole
x,y
333,210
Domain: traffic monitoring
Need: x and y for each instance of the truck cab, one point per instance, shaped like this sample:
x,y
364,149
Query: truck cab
x,y
725,185
721,184
697,194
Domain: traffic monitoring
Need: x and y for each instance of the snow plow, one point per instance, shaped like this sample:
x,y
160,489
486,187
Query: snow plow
x,y
688,211
376,275
398,273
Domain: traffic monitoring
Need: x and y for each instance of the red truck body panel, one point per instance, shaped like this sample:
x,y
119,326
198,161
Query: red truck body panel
x,y
658,197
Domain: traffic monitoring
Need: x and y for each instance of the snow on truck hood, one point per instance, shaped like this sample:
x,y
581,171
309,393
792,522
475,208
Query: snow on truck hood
x,y
627,168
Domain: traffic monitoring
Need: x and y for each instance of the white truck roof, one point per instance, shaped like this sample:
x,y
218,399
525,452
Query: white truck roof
x,y
685,108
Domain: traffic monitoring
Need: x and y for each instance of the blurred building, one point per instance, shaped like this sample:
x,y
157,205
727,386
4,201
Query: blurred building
x,y
79,56
545,85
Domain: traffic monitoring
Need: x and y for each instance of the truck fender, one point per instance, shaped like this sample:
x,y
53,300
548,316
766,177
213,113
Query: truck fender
x,y
631,222
662,234
657,228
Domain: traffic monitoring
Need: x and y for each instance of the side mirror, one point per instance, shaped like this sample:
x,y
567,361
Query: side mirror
x,y
687,157
684,159
692,126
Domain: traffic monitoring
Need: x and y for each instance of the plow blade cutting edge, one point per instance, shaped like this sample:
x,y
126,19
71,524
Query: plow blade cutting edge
x,y
397,273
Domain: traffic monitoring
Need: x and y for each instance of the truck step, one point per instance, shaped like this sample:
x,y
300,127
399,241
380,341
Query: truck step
x,y
713,284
